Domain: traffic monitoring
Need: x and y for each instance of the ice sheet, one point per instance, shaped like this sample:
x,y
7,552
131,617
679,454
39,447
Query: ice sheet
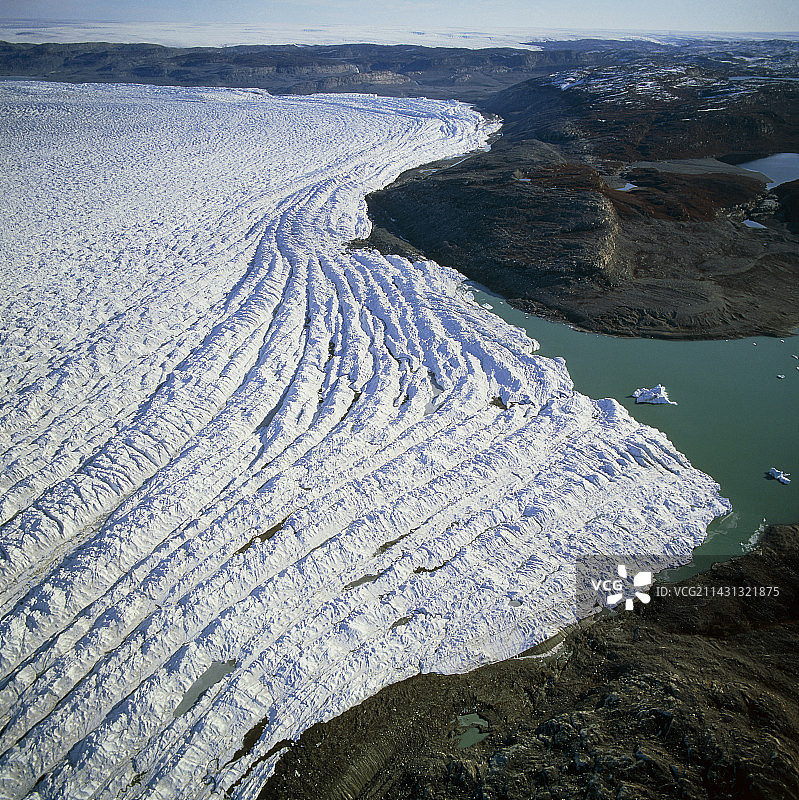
x,y
228,439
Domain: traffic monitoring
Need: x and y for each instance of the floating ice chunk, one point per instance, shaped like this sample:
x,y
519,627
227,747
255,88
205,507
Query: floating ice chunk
x,y
779,475
655,395
781,377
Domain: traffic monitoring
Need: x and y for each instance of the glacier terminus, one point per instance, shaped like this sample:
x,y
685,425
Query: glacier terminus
x,y
251,476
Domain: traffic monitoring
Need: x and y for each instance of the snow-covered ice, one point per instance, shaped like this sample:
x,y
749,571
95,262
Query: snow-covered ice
x,y
657,394
229,443
219,34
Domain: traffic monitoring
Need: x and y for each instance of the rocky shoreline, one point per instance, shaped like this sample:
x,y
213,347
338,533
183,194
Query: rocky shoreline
x,y
619,210
689,697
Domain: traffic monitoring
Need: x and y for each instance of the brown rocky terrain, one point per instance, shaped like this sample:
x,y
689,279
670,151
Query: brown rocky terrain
x,y
542,220
684,698
405,70
788,196
670,259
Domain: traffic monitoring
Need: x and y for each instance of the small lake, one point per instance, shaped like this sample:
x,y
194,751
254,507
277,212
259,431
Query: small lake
x,y
735,417
781,168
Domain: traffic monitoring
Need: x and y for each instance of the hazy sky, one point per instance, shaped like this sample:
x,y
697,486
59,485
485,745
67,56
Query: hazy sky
x,y
655,15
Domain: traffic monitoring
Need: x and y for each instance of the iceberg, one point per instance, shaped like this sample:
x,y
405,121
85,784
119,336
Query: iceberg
x,y
250,476
657,394
779,475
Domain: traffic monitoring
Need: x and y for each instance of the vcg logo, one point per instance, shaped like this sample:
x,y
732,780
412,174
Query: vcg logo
x,y
614,589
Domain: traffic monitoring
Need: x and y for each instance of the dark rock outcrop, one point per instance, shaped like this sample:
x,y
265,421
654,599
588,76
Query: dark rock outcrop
x,y
788,196
541,220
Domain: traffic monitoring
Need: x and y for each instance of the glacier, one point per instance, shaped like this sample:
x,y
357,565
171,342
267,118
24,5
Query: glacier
x,y
250,476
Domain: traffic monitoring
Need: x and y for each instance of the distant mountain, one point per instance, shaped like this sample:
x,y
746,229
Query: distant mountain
x,y
404,70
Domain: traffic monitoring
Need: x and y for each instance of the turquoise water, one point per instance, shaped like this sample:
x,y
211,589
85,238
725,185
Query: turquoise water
x,y
211,676
474,733
734,419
